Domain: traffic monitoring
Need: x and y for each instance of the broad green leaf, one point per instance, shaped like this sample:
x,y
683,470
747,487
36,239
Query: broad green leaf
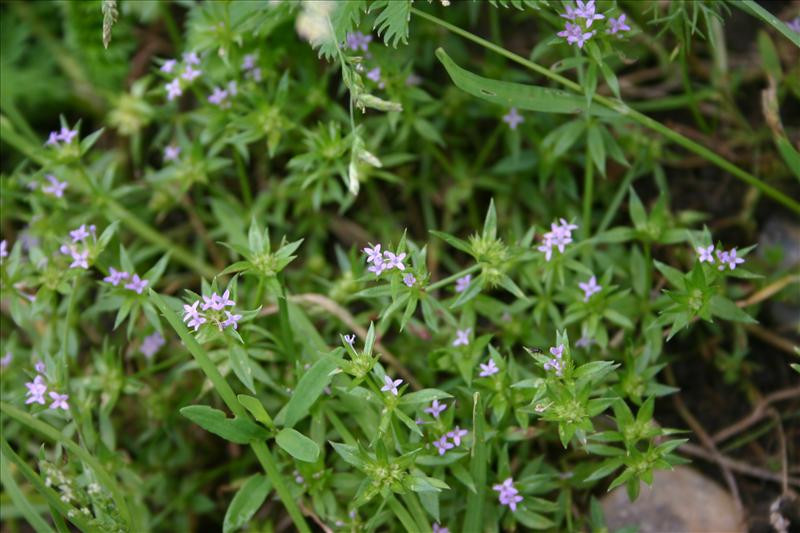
x,y
247,500
297,445
238,430
308,389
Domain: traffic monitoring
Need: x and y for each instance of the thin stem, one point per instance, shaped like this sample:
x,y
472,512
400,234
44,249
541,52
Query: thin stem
x,y
402,514
588,193
244,183
451,279
624,110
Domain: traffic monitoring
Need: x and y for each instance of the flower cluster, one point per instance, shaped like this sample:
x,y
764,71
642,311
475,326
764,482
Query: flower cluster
x,y
251,71
382,261
728,258
212,311
135,283
556,363
65,135
509,495
221,97
78,248
559,236
356,41
37,388
175,88
443,443
581,17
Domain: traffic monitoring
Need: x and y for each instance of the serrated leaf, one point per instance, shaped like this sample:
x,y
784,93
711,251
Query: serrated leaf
x,y
392,22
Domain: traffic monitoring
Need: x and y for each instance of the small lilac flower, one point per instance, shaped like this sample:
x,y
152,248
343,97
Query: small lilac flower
x,y
78,235
3,249
488,369
412,80
196,322
442,445
357,40
52,140
56,188
254,74
409,280
557,351
505,486
590,288
218,97
511,500
456,435
570,14
151,344
59,401
377,268
375,75
584,342
231,320
66,135
391,386
587,12
723,257
435,409
233,88
115,276
173,89
732,260
575,35
462,337
439,529
168,66
374,254
617,25
350,339
6,360
462,284
394,261
190,58
40,367
513,118
705,254
794,25
249,61
172,152
36,390
137,284
547,249
190,74
191,310
79,259
555,364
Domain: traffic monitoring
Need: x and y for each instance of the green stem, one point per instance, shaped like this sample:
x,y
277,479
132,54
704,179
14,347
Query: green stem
x,y
402,514
20,501
588,194
244,183
224,389
451,279
753,8
625,110
622,190
413,505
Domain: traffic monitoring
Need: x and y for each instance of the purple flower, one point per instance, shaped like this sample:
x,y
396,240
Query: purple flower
x,y
6,360
231,320
456,435
190,58
168,66
66,135
173,89
56,188
115,276
254,74
439,529
574,34
409,280
249,61
375,75
488,369
3,249
794,25
462,337
570,14
435,409
36,390
513,118
151,344
233,88
217,302
40,367
190,74
730,259
391,386
377,268
59,401
555,364
590,288
218,97
705,254
557,351
172,152
442,445
52,140
560,235
374,254
137,284
462,284
394,261
196,322
584,342
509,495
79,259
192,316
587,12
78,235
350,339
617,25
357,40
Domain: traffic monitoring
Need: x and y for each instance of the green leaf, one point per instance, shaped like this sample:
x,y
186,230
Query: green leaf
x,y
256,408
344,18
490,223
726,309
247,500
308,389
532,520
350,454
478,462
240,363
392,23
238,430
637,212
455,242
508,94
423,396
756,10
297,445
597,149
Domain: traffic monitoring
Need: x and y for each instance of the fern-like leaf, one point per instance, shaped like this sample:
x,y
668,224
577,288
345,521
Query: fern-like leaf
x,y
344,19
392,23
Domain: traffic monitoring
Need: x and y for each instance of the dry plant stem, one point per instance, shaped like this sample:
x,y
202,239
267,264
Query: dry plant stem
x,y
772,338
759,411
738,466
768,291
326,304
784,459
708,444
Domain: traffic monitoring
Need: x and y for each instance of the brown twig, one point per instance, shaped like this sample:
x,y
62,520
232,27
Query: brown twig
x,y
771,338
309,512
326,304
737,466
768,291
758,412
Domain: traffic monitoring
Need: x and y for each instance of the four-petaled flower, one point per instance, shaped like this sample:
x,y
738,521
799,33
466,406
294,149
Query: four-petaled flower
x,y
375,74
374,254
357,40
151,344
617,25
590,288
56,188
172,152
52,140
115,276
66,135
36,390
462,337
137,284
729,258
557,351
705,254
409,280
249,61
168,66
190,58
390,385
40,367
560,235
190,73
231,320
509,495
218,97
488,369
350,339
79,259
513,118
394,261
79,234
435,409
587,12
439,529
574,34
456,435
463,283
59,401
173,89
442,445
